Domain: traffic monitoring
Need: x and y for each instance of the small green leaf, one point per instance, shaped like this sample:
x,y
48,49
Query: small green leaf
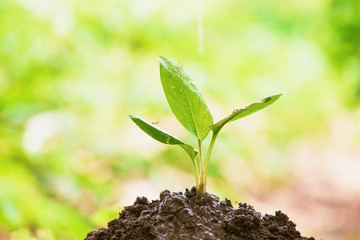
x,y
245,111
162,136
184,98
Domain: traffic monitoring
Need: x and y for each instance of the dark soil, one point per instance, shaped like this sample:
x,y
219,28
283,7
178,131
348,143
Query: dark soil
x,y
184,216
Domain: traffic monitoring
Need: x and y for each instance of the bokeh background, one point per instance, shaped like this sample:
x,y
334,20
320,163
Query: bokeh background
x,y
72,71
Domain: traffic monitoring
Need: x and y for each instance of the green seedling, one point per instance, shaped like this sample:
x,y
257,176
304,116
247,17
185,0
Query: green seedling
x,y
190,109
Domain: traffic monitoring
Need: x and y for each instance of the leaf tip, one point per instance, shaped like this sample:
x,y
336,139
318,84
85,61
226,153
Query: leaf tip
x,y
133,117
162,59
276,96
283,93
167,63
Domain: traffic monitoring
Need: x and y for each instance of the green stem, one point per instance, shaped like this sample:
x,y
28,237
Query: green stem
x,y
201,191
196,174
201,156
207,158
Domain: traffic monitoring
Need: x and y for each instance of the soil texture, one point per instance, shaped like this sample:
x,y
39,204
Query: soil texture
x,y
185,217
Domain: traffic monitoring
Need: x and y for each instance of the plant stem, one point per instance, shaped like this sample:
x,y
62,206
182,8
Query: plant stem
x,y
201,191
196,174
201,156
207,158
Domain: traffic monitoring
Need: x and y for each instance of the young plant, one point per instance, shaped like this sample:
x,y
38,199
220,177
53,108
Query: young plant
x,y
190,109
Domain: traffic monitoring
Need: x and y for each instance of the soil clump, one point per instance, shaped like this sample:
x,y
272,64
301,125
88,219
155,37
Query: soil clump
x,y
178,216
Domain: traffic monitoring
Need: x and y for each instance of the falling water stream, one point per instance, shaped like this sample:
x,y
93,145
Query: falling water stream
x,y
200,27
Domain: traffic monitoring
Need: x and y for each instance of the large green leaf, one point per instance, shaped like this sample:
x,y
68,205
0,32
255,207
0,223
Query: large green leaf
x,y
245,111
162,136
184,98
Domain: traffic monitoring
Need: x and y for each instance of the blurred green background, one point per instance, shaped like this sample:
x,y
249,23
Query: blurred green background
x,y
72,71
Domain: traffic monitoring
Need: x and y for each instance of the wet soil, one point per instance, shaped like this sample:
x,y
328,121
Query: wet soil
x,y
184,216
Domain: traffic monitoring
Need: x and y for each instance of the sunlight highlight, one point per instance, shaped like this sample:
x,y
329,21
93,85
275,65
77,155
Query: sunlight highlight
x,y
39,129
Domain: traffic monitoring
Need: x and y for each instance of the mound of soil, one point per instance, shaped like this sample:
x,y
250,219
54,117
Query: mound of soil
x,y
184,216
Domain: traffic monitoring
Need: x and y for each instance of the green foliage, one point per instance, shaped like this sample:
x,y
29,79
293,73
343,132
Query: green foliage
x,y
162,136
192,112
245,111
343,44
185,99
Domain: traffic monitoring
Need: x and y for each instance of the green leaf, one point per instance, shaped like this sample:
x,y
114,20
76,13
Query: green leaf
x,y
245,111
184,98
162,136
